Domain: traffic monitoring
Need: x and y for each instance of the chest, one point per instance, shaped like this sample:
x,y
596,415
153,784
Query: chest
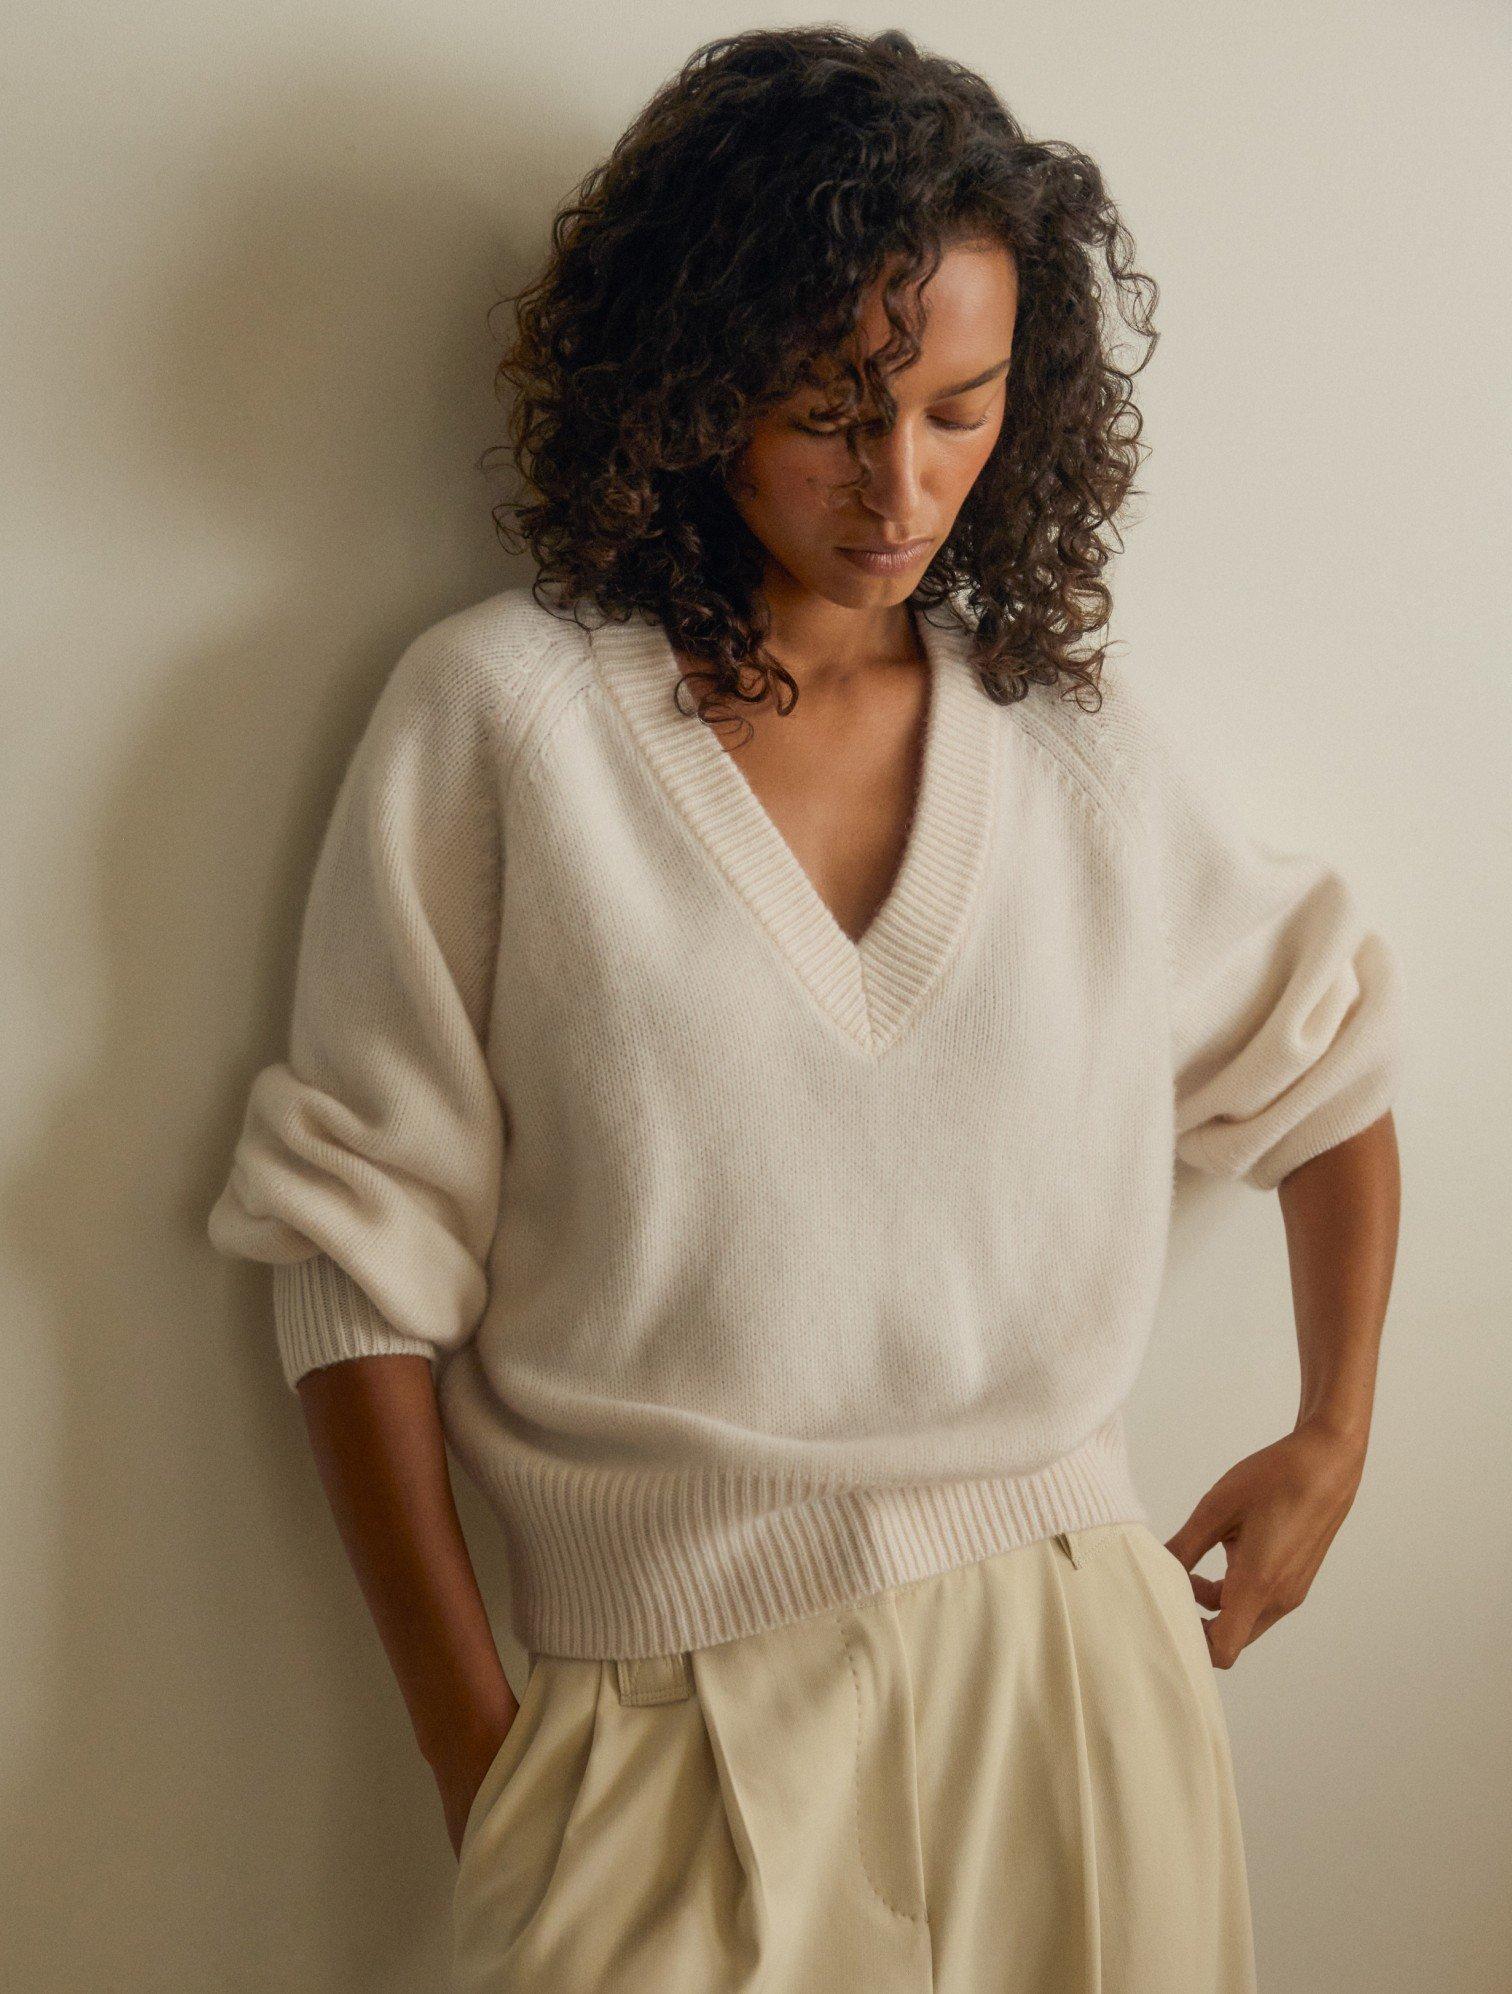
x,y
838,777
658,911
657,1014
834,884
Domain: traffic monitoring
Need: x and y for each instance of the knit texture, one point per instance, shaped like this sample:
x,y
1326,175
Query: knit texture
x,y
761,1269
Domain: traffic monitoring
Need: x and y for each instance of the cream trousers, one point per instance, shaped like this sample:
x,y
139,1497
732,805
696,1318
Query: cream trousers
x,y
1012,1778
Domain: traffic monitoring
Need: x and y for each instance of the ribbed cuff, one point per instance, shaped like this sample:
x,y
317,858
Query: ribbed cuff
x,y
321,1316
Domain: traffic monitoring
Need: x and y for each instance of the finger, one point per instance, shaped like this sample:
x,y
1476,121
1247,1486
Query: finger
x,y
1232,1628
1206,1591
1209,1592
1206,1526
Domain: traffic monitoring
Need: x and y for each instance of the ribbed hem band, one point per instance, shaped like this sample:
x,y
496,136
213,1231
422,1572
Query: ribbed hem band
x,y
610,1563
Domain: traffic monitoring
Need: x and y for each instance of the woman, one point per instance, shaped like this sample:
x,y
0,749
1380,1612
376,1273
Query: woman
x,y
754,1155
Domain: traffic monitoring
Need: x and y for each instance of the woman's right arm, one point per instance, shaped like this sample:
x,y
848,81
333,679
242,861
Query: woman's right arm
x,y
369,1167
375,1429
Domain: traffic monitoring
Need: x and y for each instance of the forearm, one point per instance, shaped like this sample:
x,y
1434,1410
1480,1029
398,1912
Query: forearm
x,y
375,1429
1341,1211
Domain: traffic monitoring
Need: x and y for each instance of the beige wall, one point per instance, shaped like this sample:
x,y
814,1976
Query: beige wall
x,y
246,380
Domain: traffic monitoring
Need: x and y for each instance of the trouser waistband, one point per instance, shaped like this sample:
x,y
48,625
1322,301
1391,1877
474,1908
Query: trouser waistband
x,y
669,1678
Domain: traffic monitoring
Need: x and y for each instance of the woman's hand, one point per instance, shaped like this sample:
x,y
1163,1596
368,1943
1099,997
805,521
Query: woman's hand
x,y
461,1767
1275,1513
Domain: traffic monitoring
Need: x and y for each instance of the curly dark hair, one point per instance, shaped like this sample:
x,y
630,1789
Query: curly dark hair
x,y
718,259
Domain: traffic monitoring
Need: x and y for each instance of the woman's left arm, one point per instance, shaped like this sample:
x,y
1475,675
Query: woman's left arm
x,y
1277,1511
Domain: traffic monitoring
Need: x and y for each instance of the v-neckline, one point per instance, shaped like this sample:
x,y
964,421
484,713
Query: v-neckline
x,y
870,988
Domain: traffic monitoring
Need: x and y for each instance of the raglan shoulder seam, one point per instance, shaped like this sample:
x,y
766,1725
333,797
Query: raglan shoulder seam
x,y
512,662
1102,772
1109,776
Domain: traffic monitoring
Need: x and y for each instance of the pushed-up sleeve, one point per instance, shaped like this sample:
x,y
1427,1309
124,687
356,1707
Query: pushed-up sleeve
x,y
1287,1011
367,1171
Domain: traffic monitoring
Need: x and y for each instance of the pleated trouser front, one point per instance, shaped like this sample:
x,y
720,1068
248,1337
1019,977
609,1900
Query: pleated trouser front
x,y
1012,1778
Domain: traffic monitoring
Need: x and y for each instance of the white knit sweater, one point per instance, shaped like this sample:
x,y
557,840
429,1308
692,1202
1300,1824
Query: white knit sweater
x,y
762,1269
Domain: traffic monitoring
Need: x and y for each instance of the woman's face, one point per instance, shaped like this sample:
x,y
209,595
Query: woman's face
x,y
788,484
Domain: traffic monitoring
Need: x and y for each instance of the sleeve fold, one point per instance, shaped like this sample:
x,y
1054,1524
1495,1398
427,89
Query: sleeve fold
x,y
1287,1012
368,1167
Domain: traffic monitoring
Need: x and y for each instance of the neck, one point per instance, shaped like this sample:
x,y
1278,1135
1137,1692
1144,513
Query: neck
x,y
823,642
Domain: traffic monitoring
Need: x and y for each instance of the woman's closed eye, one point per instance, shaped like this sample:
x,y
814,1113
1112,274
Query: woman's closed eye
x,y
834,429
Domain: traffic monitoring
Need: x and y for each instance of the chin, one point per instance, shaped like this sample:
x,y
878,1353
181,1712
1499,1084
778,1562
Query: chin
x,y
853,585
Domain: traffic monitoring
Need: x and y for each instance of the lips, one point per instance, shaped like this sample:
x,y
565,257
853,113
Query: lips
x,y
888,546
885,560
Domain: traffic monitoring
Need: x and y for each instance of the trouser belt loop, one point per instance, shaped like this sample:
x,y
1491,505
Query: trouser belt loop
x,y
654,1678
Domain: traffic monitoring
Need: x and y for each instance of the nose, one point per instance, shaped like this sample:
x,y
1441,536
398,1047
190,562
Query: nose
x,y
891,483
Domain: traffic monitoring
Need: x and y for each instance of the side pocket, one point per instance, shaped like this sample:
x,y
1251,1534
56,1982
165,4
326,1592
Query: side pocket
x,y
502,1765
1169,1558
1173,1584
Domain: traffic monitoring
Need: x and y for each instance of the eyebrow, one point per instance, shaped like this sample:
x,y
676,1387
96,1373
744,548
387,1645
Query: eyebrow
x,y
962,387
978,381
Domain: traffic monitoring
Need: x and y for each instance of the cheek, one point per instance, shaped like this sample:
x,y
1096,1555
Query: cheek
x,y
781,482
969,467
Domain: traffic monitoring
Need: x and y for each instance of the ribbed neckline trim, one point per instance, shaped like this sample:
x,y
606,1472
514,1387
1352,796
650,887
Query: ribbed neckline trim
x,y
869,988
